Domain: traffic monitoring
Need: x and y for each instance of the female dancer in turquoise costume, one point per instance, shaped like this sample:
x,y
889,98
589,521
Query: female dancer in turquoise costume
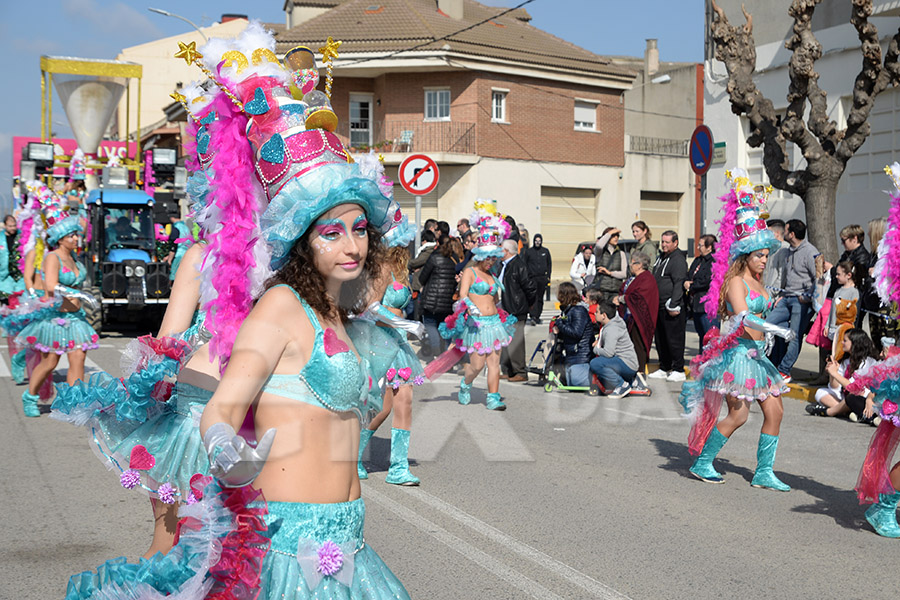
x,y
477,325
406,371
733,365
294,362
879,482
65,330
133,420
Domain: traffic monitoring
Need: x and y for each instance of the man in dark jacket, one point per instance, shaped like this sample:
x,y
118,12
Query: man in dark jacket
x,y
516,298
670,272
429,243
540,268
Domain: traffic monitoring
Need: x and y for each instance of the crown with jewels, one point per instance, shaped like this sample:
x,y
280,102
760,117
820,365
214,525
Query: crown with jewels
x,y
492,229
750,230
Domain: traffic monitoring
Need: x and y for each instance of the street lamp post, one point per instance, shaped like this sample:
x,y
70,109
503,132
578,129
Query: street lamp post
x,y
166,13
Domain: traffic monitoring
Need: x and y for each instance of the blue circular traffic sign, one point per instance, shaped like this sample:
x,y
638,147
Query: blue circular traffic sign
x,y
701,150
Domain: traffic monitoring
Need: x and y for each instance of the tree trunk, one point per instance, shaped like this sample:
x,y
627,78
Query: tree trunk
x,y
820,201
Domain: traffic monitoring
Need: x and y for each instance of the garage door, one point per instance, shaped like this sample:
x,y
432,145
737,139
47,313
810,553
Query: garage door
x,y
659,210
567,218
408,204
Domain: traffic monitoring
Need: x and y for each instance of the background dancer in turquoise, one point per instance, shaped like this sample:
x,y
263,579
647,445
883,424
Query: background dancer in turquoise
x,y
135,419
406,370
478,326
733,364
64,330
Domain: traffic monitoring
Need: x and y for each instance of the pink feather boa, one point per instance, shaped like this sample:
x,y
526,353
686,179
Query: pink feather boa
x,y
890,275
190,146
721,257
231,242
24,236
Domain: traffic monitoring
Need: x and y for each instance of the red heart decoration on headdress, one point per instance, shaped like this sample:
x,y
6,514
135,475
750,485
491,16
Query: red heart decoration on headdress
x,y
333,344
141,460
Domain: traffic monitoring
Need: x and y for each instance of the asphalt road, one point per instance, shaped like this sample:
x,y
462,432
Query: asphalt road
x,y
561,496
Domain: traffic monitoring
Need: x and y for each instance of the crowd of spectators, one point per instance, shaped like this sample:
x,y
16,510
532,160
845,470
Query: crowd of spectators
x,y
621,301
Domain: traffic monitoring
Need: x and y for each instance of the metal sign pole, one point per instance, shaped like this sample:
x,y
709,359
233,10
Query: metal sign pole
x,y
418,221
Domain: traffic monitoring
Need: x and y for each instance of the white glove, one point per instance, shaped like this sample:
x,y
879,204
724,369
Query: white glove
x,y
754,322
68,292
231,459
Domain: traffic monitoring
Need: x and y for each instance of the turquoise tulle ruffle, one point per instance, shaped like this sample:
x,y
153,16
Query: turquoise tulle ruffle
x,y
14,320
341,523
760,240
184,570
742,371
106,397
59,332
479,334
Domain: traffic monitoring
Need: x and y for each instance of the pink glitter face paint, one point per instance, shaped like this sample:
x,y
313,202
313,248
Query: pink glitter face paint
x,y
330,229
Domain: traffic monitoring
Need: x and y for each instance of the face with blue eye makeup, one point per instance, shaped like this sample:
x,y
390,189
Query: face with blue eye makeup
x,y
340,243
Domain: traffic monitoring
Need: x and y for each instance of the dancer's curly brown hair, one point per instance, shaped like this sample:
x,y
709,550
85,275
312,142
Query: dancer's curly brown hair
x,y
301,274
736,269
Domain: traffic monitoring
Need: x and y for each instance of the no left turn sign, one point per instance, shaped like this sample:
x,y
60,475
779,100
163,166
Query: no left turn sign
x,y
418,174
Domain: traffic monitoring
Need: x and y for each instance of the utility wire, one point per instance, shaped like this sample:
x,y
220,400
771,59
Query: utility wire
x,y
429,42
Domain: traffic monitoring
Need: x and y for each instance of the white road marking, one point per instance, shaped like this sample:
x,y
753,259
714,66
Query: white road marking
x,y
585,582
645,417
479,557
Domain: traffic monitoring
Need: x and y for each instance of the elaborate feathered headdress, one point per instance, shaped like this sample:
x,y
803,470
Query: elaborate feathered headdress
x,y
742,230
492,229
277,168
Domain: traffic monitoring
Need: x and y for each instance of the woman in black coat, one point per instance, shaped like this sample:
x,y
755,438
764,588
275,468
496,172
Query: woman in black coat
x,y
438,279
575,332
697,284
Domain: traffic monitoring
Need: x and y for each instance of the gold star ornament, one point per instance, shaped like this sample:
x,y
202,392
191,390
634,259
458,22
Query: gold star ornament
x,y
178,97
330,50
188,52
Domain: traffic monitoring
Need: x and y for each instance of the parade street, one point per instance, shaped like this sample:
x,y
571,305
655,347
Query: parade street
x,y
560,496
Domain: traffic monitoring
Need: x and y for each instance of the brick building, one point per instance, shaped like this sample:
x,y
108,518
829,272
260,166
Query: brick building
x,y
507,111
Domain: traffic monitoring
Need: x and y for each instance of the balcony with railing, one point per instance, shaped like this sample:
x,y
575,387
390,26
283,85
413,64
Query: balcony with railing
x,y
640,144
389,136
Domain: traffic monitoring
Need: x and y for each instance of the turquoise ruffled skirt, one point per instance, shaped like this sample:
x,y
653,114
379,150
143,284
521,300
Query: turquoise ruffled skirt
x,y
59,332
293,526
743,371
481,335
172,438
406,367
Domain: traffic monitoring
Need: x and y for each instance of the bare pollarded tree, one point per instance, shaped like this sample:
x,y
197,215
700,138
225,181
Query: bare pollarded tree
x,y
825,147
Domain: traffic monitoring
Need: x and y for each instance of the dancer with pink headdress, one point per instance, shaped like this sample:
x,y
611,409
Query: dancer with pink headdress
x,y
733,366
879,482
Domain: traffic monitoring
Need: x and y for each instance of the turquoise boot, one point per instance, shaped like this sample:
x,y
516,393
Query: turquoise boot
x,y
399,473
17,366
702,468
30,404
765,458
464,389
364,436
494,403
883,515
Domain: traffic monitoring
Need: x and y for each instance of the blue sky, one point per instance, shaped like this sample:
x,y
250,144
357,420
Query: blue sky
x,y
101,28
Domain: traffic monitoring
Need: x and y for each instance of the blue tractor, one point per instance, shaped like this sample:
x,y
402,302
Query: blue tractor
x,y
129,282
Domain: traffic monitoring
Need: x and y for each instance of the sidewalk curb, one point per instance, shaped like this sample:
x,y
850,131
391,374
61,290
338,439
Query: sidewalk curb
x,y
801,391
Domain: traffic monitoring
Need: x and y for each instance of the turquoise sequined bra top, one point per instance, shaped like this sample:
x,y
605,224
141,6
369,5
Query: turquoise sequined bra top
x,y
71,278
396,295
482,288
756,303
333,378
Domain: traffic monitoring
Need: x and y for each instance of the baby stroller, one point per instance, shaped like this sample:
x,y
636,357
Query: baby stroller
x,y
547,363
